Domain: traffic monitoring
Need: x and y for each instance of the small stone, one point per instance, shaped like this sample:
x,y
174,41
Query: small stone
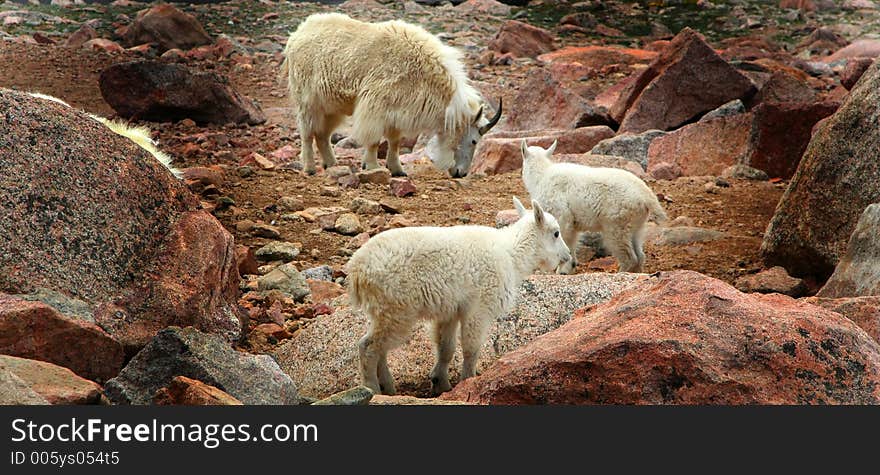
x,y
773,280
744,172
246,260
389,208
400,222
337,171
364,206
357,396
376,176
401,187
358,241
286,279
290,203
245,171
348,224
244,226
262,161
266,231
332,191
324,272
506,217
279,251
324,291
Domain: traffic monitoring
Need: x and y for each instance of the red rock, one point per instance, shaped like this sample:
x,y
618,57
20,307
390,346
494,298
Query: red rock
x,y
499,152
838,177
35,330
401,187
543,102
782,86
703,148
807,5
521,39
686,80
771,138
105,45
685,338
125,236
42,39
773,280
324,291
863,311
853,71
203,53
56,384
168,27
212,175
198,285
858,49
506,217
780,133
80,36
285,154
143,50
183,391
571,65
490,7
158,91
245,260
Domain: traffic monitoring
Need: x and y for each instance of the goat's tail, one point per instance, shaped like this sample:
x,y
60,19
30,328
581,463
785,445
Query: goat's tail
x,y
656,213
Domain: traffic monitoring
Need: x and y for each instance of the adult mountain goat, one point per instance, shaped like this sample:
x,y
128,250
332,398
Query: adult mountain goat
x,y
395,79
454,276
614,202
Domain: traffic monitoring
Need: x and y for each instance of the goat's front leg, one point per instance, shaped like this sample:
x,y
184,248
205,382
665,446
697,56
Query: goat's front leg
x,y
371,154
570,237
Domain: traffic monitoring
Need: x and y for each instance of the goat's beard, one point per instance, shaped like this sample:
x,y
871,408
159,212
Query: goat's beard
x,y
434,150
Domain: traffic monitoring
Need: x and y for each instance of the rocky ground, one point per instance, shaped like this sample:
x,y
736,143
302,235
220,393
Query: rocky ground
x,y
599,76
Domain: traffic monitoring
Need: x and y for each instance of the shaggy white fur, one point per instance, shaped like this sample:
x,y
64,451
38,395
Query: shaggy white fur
x,y
139,135
395,79
611,201
463,276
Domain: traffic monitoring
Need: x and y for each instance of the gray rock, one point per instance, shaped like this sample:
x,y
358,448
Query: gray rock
x,y
364,206
175,351
291,203
681,235
278,251
733,107
72,307
744,172
348,224
858,272
286,279
324,272
322,357
633,147
357,396
15,392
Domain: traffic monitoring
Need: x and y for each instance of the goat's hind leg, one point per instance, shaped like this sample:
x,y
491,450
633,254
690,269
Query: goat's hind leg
x,y
444,349
620,243
392,159
307,134
385,334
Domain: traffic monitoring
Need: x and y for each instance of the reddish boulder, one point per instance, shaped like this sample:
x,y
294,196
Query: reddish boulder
x,y
573,64
863,311
323,291
166,26
686,80
780,133
246,260
152,90
521,39
858,272
56,384
103,44
499,152
543,102
703,148
80,36
401,187
838,177
35,330
99,219
857,49
783,86
685,338
774,280
853,71
183,391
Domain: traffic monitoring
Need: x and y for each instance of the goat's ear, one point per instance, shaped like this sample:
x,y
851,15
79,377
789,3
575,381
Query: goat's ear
x,y
477,117
524,148
539,213
519,207
552,148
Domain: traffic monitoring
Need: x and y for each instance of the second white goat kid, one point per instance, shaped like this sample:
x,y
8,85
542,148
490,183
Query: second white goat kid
x,y
613,202
455,276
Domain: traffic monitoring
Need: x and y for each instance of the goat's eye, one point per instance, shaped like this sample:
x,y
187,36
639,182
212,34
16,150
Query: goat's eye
x,y
473,142
556,234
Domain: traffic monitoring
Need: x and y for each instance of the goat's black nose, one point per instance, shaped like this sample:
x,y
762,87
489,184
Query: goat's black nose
x,y
458,174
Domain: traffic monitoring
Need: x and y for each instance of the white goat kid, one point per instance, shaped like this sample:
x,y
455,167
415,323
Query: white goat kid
x,y
613,202
463,276
396,79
